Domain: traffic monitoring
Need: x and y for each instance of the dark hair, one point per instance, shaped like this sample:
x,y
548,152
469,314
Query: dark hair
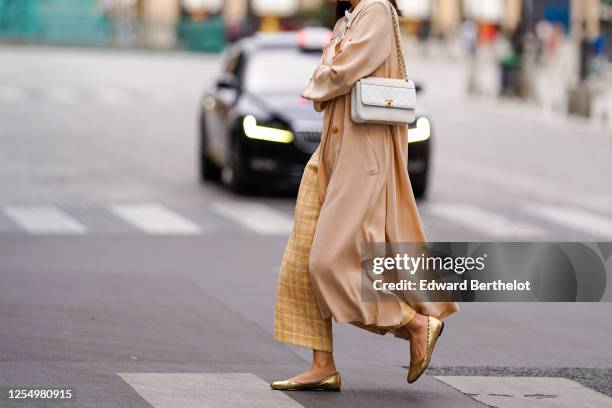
x,y
342,6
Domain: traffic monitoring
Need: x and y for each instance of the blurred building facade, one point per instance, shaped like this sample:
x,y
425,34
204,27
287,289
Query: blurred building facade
x,y
554,52
437,18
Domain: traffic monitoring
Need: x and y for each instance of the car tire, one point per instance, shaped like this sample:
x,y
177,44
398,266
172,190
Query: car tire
x,y
209,171
419,185
239,182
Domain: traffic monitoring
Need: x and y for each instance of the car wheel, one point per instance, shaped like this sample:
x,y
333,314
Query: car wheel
x,y
209,171
235,176
419,185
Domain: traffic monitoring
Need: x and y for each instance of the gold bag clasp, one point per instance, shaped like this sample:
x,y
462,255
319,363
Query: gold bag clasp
x,y
389,103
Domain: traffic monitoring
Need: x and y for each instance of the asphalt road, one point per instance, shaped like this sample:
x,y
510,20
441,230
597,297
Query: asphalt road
x,y
124,279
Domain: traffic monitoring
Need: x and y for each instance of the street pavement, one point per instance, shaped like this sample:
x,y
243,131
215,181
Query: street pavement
x,y
126,280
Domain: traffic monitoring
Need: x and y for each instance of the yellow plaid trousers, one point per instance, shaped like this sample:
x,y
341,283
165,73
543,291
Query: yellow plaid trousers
x,y
297,319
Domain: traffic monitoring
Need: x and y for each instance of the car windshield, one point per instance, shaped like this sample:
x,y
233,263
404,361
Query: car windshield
x,y
280,70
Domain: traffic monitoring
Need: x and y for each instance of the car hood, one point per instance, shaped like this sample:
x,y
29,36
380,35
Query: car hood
x,y
289,107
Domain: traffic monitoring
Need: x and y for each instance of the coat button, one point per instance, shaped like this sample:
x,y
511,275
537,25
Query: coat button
x,y
335,130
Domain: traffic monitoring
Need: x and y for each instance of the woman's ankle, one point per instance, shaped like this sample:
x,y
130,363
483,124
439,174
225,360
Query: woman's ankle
x,y
323,367
322,372
322,361
416,324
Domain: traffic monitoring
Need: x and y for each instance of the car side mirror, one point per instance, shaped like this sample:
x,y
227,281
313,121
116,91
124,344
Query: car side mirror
x,y
227,82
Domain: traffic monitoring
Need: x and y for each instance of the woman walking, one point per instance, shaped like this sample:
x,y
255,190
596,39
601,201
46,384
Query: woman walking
x,y
355,189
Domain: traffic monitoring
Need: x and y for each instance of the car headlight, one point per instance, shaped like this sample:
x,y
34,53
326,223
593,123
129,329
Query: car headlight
x,y
421,132
254,131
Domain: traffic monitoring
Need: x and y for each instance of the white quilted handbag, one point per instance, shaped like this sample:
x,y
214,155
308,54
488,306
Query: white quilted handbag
x,y
385,101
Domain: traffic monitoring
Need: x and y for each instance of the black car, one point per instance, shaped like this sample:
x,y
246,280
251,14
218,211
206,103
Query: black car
x,y
256,130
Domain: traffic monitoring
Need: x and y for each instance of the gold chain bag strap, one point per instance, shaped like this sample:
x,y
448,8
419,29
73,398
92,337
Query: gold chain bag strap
x,y
398,41
385,101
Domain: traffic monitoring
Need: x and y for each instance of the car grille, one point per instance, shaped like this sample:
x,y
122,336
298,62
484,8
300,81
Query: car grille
x,y
309,137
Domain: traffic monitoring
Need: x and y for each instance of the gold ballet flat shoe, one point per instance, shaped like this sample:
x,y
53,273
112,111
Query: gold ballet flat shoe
x,y
329,383
434,330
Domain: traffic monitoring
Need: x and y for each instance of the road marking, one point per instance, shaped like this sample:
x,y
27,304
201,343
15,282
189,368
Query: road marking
x,y
12,94
527,184
155,219
528,392
207,390
255,216
44,219
112,96
62,95
484,221
573,218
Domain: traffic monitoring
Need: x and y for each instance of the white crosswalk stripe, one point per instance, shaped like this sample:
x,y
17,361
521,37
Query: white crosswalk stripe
x,y
256,217
62,95
207,390
484,221
68,95
526,222
526,184
155,219
44,219
112,96
12,94
528,392
574,218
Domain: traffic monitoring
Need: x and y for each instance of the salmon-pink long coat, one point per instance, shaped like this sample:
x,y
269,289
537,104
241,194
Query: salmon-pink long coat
x,y
365,191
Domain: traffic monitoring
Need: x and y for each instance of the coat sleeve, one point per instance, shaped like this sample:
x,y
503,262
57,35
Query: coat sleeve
x,y
366,49
319,106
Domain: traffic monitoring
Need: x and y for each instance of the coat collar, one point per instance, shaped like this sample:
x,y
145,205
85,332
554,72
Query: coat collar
x,y
358,9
